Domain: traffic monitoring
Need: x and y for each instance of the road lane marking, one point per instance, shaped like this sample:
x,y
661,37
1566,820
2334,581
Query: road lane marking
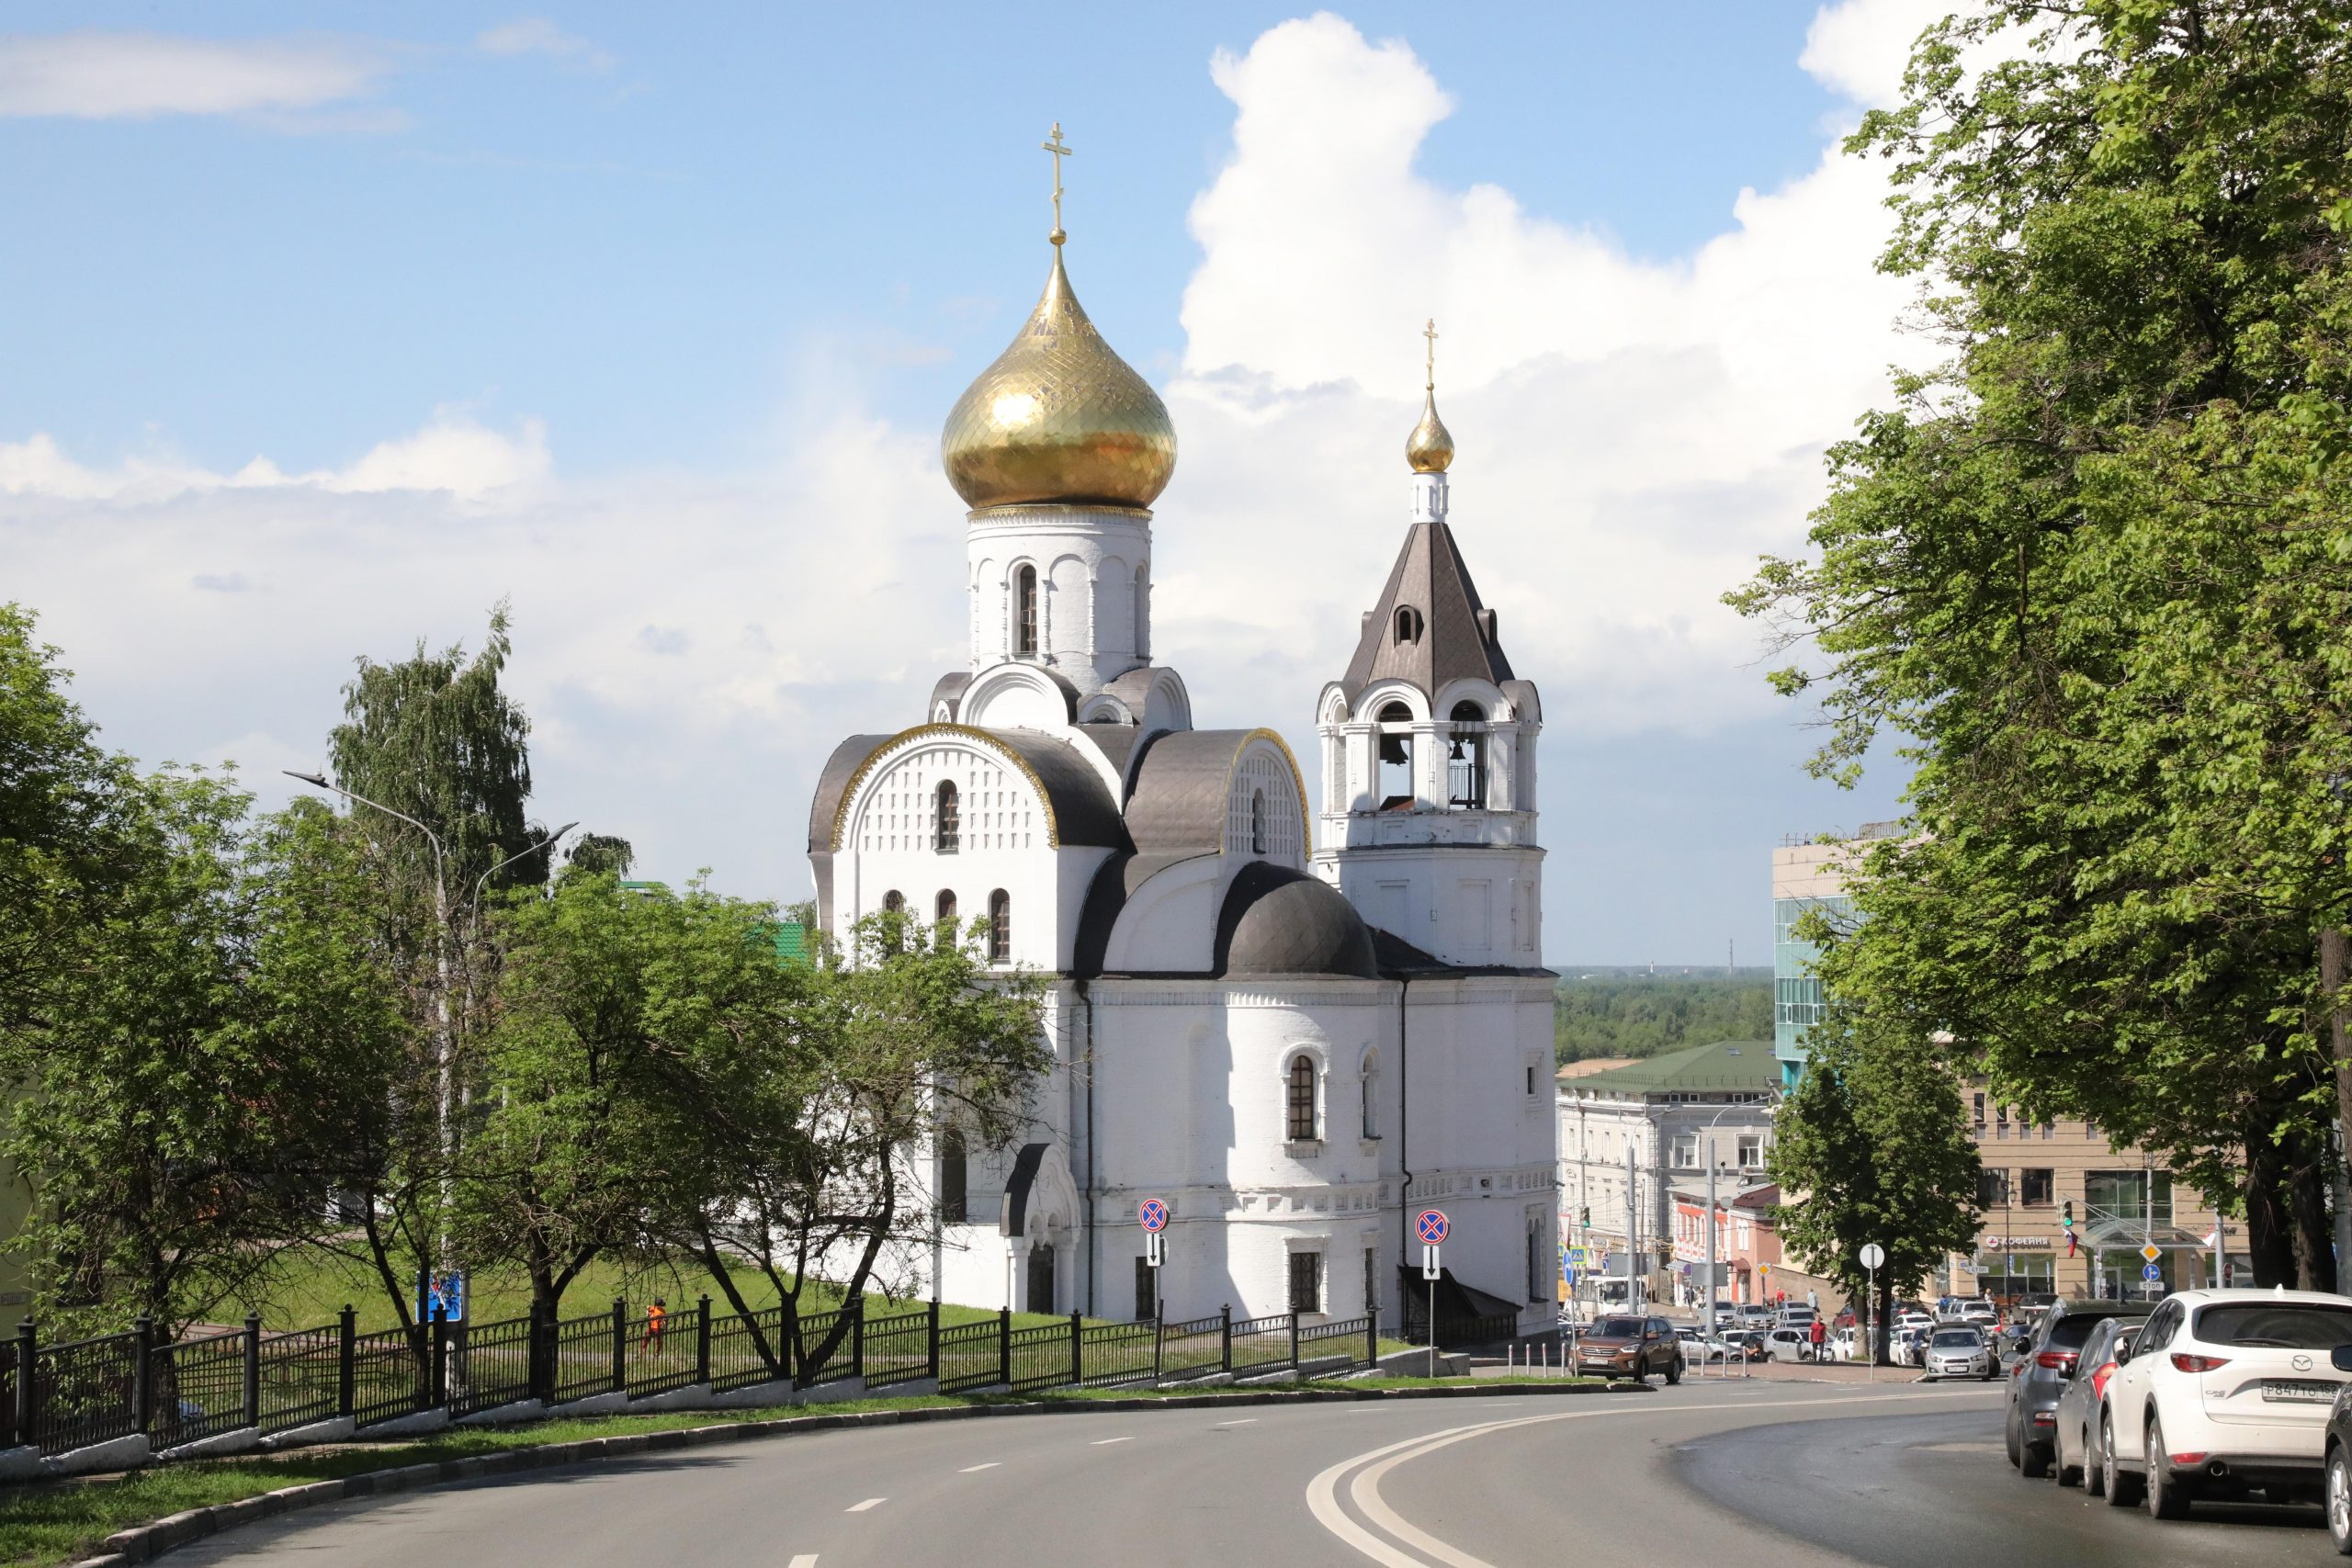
x,y
1245,1421
806,1559
861,1508
1105,1443
1322,1498
976,1468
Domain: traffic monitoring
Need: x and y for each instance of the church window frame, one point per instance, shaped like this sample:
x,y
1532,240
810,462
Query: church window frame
x,y
1396,787
1258,822
1466,757
1305,1281
1025,611
948,819
1302,1101
999,927
1410,623
894,902
1368,1087
943,909
954,1178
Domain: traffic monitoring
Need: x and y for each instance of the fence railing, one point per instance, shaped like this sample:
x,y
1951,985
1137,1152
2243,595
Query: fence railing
x,y
58,1397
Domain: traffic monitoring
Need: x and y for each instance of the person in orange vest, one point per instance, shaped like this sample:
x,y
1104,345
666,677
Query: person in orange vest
x,y
654,1316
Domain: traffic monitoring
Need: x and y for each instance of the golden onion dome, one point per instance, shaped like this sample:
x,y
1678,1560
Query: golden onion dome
x,y
1058,418
1430,446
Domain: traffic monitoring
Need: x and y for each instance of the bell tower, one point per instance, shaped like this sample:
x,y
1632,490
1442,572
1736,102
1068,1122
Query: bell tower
x,y
1428,815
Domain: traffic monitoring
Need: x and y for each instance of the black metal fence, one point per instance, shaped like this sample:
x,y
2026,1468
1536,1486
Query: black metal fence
x,y
90,1391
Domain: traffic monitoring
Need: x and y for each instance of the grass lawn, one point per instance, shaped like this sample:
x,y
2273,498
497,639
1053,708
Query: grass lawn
x,y
54,1522
314,1285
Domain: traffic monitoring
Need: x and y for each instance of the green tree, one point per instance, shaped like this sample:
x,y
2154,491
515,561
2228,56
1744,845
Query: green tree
x,y
804,1152
2094,564
1870,1148
601,852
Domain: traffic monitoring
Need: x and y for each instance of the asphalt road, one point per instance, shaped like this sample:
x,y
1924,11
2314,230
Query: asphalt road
x,y
1764,1475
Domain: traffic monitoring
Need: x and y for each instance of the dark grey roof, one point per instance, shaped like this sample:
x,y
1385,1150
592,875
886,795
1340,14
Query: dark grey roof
x,y
1115,881
1279,922
1117,744
1457,633
949,690
1176,794
832,783
1084,811
1133,687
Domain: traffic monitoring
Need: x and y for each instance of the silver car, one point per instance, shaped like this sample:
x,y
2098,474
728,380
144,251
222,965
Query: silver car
x,y
1957,1350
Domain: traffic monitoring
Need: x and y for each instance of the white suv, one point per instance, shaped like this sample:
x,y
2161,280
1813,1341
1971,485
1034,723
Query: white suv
x,y
2225,1389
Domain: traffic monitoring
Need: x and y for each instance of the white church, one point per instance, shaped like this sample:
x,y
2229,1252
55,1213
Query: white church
x,y
1297,1027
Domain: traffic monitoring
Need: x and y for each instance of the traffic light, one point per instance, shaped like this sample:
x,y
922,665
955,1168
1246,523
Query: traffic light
x,y
1584,1216
2066,1213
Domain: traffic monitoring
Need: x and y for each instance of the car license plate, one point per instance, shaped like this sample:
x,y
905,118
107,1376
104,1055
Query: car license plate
x,y
2298,1390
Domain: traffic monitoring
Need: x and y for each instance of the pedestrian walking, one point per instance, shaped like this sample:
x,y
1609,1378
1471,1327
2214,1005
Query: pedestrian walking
x,y
1819,1333
654,1317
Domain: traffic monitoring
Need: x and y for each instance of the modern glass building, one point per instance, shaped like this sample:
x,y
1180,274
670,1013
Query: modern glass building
x,y
1807,874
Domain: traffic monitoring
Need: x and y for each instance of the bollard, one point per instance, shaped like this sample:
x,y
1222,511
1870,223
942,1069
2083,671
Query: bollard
x,y
440,1390
702,1340
932,1329
253,1369
1225,1352
1293,1339
1077,1349
1005,1345
1372,1335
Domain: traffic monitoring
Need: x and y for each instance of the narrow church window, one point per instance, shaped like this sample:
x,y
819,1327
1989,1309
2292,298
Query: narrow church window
x,y
1257,822
1395,757
1306,1281
999,927
1409,624
1372,1095
1466,757
947,834
1024,610
1302,1099
954,1177
894,902
945,909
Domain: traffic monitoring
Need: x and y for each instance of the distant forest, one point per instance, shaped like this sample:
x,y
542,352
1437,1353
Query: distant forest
x,y
1610,1012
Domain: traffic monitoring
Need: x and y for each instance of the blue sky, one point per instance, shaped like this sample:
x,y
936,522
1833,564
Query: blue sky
x,y
639,261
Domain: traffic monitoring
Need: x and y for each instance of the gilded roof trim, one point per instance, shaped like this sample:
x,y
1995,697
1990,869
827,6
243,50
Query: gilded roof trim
x,y
962,732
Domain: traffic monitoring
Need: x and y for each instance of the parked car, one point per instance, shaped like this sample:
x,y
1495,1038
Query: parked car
x,y
2074,1438
1788,1345
1755,1315
2038,1372
2225,1390
1959,1350
1978,1310
1798,1317
1621,1346
2338,1494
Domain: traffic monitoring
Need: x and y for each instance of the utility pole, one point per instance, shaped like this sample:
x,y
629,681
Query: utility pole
x,y
1633,1236
1707,1321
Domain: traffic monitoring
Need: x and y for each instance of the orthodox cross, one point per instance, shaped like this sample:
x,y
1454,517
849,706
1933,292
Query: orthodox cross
x,y
1430,331
1060,151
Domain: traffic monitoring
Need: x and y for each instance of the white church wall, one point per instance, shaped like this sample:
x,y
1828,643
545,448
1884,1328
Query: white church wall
x,y
1086,629
1169,924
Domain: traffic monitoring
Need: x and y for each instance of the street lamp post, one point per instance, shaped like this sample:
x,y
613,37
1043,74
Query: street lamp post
x,y
445,1032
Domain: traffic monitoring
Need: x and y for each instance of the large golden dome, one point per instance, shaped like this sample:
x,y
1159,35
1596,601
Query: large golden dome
x,y
1430,446
1058,419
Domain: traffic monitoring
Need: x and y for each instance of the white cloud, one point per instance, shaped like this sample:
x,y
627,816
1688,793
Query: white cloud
x,y
1631,433
111,75
453,453
1860,47
536,35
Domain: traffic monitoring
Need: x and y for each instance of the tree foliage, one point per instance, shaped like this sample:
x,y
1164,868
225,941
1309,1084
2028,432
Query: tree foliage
x,y
2097,567
1870,1147
1642,1015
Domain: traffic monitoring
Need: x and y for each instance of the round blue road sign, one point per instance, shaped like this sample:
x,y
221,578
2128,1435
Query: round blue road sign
x,y
2152,1273
1154,1215
1432,1226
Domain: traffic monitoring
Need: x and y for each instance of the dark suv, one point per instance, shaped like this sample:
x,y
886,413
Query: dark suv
x,y
1622,1345
2039,1371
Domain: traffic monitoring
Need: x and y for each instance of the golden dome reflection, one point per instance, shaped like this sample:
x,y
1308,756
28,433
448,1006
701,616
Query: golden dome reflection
x,y
1058,419
1430,446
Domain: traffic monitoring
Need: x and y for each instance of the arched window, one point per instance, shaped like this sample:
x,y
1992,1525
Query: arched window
x,y
954,1177
1466,755
1395,757
947,826
1371,1107
999,927
894,902
1024,610
1409,624
1301,1121
943,908
1257,822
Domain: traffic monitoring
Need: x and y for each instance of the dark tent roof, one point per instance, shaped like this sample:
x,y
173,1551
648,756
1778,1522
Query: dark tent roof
x,y
1455,634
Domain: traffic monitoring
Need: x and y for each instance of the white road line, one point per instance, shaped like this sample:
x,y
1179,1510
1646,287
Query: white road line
x,y
1105,1442
976,1468
1245,1421
861,1508
1322,1500
806,1559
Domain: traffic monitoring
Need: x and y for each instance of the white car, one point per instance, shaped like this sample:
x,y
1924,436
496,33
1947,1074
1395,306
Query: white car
x,y
2223,1389
1788,1345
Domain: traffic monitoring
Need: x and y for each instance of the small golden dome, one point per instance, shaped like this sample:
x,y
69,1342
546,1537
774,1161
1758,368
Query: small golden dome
x,y
1430,446
1058,419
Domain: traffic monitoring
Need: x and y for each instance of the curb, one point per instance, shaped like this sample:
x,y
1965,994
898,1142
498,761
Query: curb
x,y
143,1543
